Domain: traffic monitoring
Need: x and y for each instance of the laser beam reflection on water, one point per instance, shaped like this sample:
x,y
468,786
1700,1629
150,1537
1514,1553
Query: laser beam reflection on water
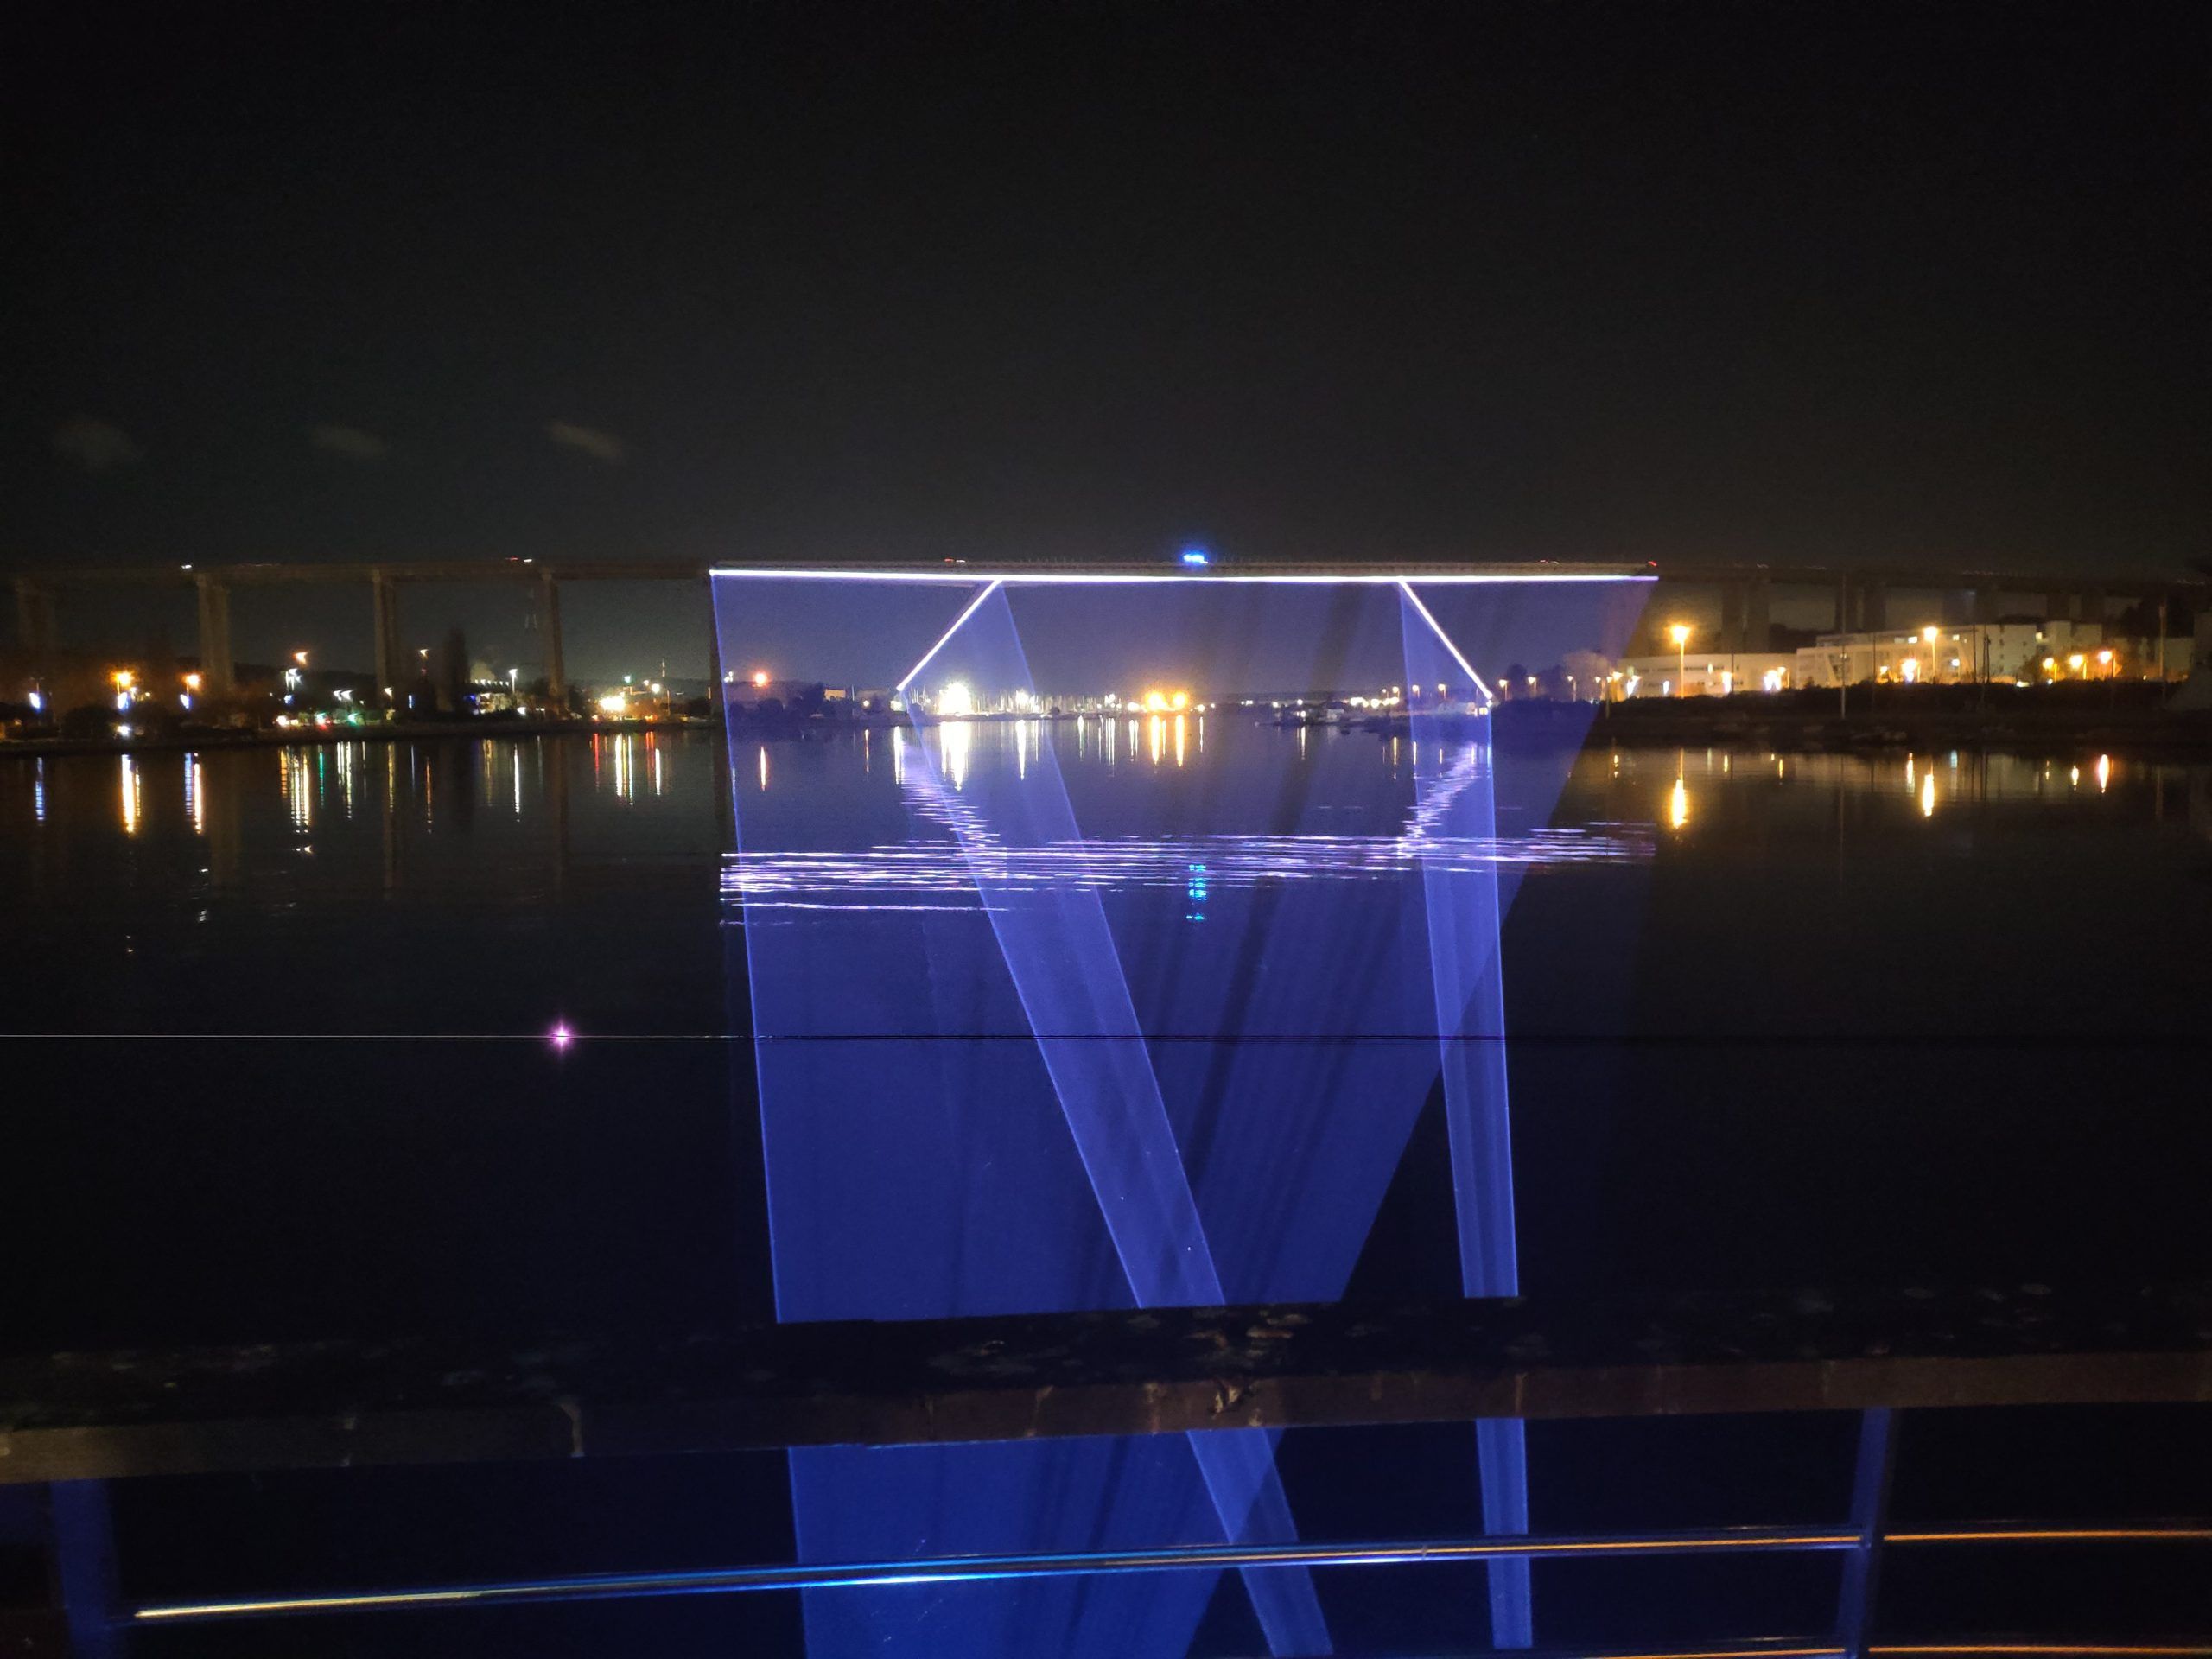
x,y
886,877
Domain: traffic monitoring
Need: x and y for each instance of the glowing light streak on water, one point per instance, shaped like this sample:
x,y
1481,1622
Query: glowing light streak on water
x,y
772,880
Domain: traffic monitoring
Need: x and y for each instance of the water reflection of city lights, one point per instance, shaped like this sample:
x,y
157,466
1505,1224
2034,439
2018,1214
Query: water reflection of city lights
x,y
130,801
1156,731
764,768
195,794
1928,793
1678,805
299,788
954,742
1180,734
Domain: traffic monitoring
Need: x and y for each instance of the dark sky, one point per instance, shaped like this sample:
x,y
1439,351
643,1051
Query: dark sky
x,y
1788,283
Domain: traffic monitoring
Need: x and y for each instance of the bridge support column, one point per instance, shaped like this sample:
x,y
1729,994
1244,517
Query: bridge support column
x,y
1731,637
384,603
35,624
1873,605
217,665
713,652
2093,606
1758,619
1988,605
548,626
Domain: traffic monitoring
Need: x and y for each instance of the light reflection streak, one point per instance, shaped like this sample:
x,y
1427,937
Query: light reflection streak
x,y
298,788
1928,793
956,741
131,795
196,795
782,879
38,790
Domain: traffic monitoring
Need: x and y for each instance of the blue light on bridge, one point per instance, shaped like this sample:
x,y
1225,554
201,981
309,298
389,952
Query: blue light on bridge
x,y
1195,555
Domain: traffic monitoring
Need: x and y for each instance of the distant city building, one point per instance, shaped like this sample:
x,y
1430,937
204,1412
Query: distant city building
x,y
2026,652
1702,674
2001,651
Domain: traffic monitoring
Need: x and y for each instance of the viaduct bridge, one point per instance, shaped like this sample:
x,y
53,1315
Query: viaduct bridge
x,y
1860,595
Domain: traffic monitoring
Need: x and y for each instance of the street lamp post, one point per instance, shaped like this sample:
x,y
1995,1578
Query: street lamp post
x,y
1680,633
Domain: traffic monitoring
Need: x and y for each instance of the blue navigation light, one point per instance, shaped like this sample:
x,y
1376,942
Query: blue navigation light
x,y
1195,555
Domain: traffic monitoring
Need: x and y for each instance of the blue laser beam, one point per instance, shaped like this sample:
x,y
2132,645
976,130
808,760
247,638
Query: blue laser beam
x,y
958,621
1465,667
1068,975
1466,951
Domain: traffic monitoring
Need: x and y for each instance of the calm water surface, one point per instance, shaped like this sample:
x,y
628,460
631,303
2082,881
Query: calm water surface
x,y
282,1063
1777,1018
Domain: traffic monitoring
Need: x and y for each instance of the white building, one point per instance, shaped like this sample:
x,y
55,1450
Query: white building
x,y
1703,674
2002,651
2023,652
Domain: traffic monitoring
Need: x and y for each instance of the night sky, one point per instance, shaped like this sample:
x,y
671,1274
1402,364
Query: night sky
x,y
1785,283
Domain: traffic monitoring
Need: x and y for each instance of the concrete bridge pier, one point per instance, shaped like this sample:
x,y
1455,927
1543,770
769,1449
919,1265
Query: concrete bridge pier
x,y
217,665
1746,615
549,625
1732,616
1862,605
35,628
384,600
713,651
1873,605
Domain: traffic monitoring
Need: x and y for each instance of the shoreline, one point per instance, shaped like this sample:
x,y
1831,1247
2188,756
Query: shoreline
x,y
2182,735
181,742
1695,721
